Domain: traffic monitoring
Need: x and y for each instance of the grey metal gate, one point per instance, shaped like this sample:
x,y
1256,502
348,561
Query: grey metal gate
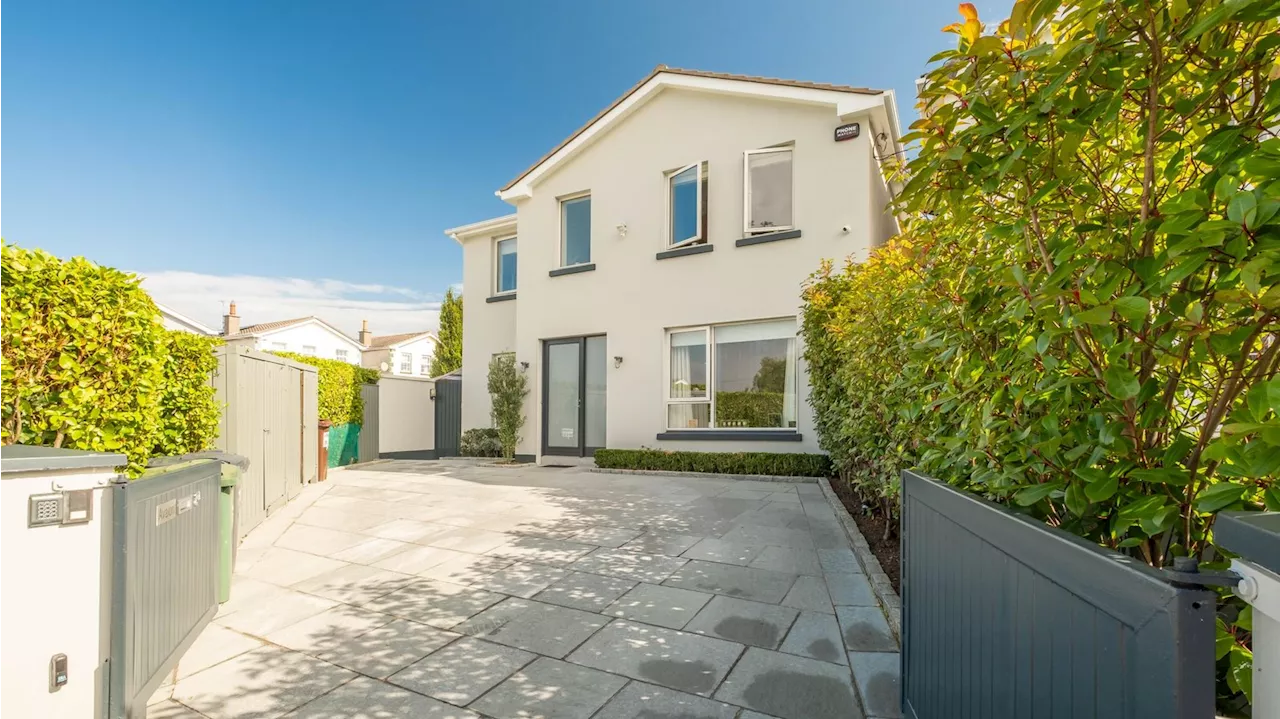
x,y
1003,616
448,414
367,450
164,577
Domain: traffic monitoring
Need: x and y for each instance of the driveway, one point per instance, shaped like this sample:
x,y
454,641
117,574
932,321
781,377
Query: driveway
x,y
453,590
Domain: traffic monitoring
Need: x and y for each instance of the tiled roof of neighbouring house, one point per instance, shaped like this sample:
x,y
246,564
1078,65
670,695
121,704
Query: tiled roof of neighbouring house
x,y
385,341
269,326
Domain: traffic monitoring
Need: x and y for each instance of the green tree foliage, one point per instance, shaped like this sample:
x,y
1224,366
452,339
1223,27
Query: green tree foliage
x,y
338,384
1093,219
772,375
83,358
749,409
508,387
189,410
448,356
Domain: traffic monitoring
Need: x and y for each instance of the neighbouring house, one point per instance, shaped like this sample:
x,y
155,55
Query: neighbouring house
x,y
406,354
303,335
175,320
649,279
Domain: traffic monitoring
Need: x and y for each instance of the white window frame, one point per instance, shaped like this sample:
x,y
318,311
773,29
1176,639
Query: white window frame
x,y
424,364
697,237
341,354
747,229
497,266
309,350
563,249
710,338
406,363
279,346
666,376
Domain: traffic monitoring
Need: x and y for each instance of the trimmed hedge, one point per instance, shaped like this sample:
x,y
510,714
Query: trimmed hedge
x,y
339,387
189,409
480,442
749,409
763,463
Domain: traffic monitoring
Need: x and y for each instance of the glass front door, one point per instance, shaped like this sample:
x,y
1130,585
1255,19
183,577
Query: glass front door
x,y
573,396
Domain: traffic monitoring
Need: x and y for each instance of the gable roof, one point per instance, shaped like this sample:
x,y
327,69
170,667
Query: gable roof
x,y
381,342
265,328
195,325
847,99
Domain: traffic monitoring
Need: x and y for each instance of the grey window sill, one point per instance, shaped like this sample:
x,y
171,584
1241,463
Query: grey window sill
x,y
682,251
768,237
572,269
733,435
501,298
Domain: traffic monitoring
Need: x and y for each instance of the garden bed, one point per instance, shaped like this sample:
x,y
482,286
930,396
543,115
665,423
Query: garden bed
x,y
887,551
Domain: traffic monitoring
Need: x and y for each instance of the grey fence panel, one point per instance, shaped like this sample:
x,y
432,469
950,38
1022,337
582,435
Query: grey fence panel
x,y
164,578
448,416
367,451
310,429
1003,616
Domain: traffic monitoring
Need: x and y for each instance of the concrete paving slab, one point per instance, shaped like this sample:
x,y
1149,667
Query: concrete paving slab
x,y
406,530
794,560
744,622
877,676
646,701
465,569
579,590
265,682
468,539
550,689
373,550
365,698
285,566
606,536
418,559
772,536
323,632
809,594
556,552
282,610
651,568
318,540
525,624
440,604
655,604
462,671
354,583
169,709
759,585
671,545
850,589
387,649
214,645
790,687
520,579
712,549
677,660
865,629
817,636
839,560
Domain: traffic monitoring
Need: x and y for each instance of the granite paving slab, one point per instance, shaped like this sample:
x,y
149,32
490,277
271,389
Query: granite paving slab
x,y
439,604
817,636
877,674
547,629
724,551
639,700
761,585
521,579
550,689
265,682
670,607
580,590
865,629
387,649
744,622
790,687
677,660
354,583
462,671
810,594
672,545
651,568
365,698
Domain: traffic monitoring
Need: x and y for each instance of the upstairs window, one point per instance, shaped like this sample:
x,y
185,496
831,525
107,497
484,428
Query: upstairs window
x,y
506,266
308,349
687,205
575,231
340,354
278,346
424,366
406,364
768,191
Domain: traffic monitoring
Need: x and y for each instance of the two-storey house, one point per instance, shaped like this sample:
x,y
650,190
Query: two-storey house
x,y
649,280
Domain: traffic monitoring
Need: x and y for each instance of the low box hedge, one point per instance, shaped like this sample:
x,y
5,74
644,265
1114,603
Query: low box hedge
x,y
762,463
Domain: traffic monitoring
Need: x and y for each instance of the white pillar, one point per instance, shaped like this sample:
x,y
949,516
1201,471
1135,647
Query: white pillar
x,y
1261,589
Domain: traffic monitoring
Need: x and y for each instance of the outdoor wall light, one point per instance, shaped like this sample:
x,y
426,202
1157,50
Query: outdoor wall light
x,y
432,394
524,366
617,361
622,230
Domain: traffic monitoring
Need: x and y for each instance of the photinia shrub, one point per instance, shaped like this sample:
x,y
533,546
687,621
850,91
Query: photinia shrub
x,y
189,411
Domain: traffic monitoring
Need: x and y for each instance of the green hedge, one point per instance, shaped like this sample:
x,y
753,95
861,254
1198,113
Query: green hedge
x,y
480,442
763,463
83,352
339,387
189,410
749,409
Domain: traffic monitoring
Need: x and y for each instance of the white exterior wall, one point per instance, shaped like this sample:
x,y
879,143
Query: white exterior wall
x,y
631,296
420,352
487,327
323,339
406,415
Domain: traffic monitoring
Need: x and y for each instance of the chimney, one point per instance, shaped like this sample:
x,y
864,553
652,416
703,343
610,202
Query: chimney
x,y
230,321
365,335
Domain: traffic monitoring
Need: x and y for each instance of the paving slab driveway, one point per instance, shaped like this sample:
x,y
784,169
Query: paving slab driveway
x,y
451,589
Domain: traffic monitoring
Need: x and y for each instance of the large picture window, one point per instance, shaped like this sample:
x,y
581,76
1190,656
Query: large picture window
x,y
575,231
505,280
687,205
768,190
733,376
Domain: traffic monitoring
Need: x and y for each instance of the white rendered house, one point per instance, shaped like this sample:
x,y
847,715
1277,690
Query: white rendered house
x,y
303,335
649,279
406,355
174,320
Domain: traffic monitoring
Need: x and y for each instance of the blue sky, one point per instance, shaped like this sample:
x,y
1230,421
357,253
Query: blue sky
x,y
309,155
